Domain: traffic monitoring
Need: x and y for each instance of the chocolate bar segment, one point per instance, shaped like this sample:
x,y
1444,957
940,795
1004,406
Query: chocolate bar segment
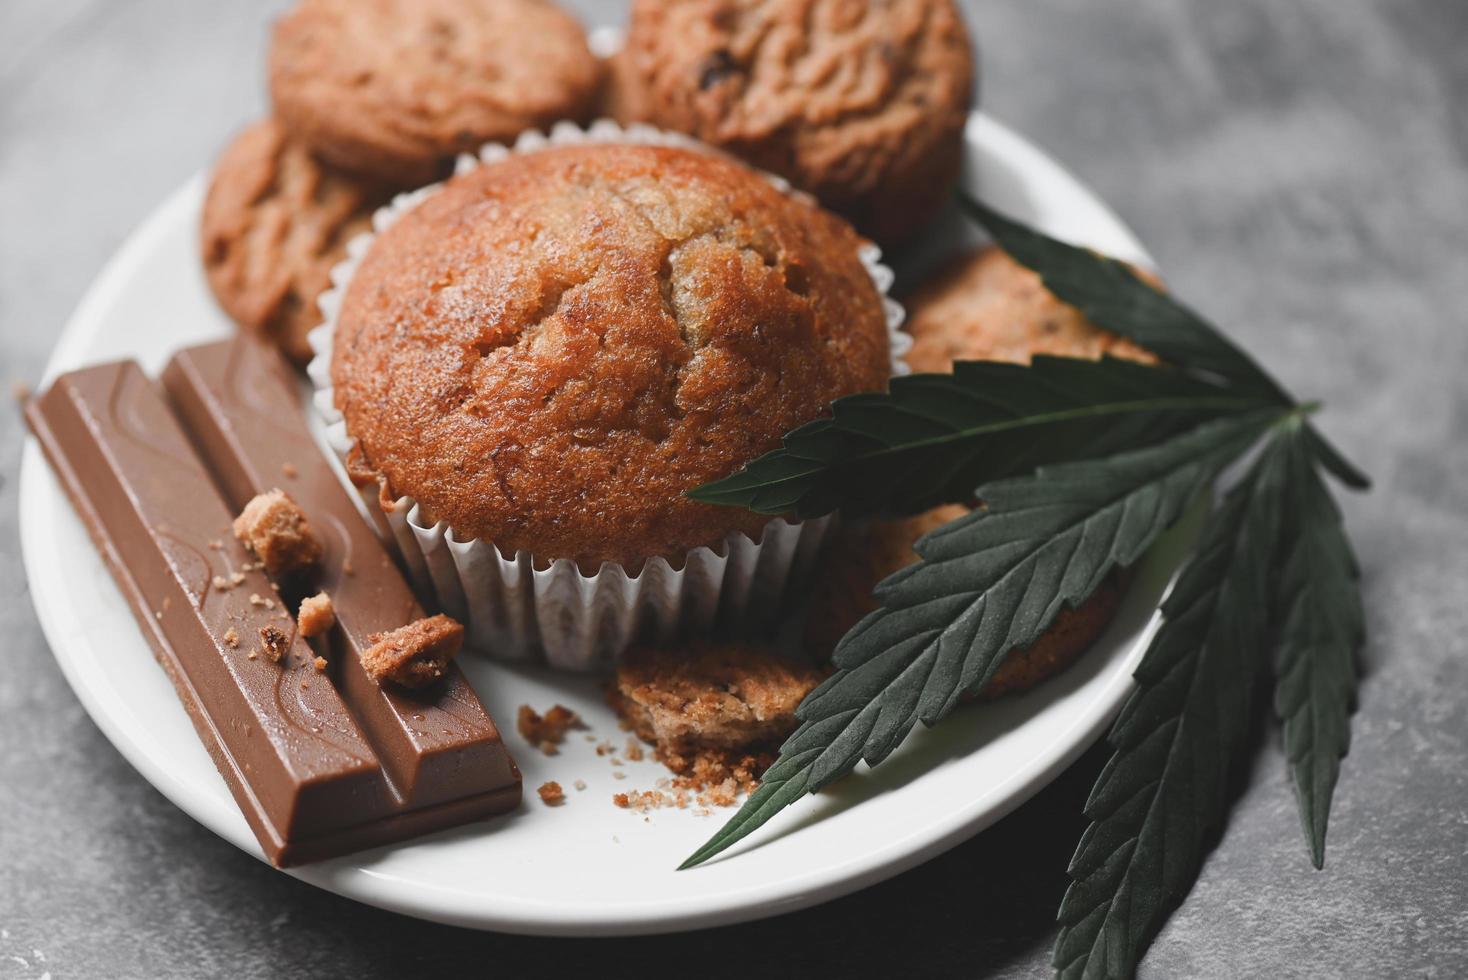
x,y
308,780
241,407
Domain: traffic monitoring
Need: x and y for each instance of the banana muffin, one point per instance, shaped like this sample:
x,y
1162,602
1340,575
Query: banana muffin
x,y
986,306
859,102
396,88
549,351
865,555
275,221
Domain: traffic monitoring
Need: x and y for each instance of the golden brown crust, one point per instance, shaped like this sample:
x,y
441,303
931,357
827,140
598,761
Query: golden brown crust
x,y
727,699
863,556
275,221
861,103
986,306
396,88
550,351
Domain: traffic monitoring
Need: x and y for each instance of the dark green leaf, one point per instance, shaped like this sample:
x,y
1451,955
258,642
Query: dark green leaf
x,y
1178,738
933,438
1111,296
987,584
1320,627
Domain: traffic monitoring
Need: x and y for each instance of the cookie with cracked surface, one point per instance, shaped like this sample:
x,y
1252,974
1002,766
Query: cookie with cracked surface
x,y
863,556
551,350
986,306
860,102
707,699
396,88
275,221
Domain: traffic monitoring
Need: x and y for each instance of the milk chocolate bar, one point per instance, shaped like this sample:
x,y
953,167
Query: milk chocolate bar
x,y
238,402
312,779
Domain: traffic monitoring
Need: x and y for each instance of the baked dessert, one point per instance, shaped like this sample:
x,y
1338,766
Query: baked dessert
x,y
549,351
986,306
861,103
396,88
712,709
275,222
865,555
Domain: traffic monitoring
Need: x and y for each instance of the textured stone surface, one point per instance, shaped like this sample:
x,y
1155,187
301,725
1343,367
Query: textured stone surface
x,y
1298,168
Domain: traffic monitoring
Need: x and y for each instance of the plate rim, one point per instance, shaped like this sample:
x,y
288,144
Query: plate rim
x,y
445,905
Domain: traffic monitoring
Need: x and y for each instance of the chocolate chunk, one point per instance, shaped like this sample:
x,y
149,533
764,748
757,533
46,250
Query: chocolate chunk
x,y
715,68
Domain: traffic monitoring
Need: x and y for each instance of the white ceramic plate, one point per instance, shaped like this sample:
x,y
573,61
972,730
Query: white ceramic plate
x,y
585,868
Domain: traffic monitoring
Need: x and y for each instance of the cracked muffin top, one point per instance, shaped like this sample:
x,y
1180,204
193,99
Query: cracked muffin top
x,y
395,88
548,352
860,102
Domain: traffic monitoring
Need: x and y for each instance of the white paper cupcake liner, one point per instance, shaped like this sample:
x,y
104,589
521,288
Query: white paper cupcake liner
x,y
521,608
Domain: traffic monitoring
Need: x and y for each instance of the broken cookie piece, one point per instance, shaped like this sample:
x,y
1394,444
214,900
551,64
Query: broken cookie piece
x,y
414,655
317,615
546,731
551,793
710,708
274,642
276,530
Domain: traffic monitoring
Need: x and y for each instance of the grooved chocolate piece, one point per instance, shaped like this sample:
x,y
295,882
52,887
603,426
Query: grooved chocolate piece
x,y
310,782
238,402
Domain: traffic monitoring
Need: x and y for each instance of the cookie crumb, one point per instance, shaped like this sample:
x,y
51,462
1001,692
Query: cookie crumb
x,y
275,528
320,663
633,751
619,775
231,638
414,655
317,615
580,784
274,642
289,470
551,793
216,545
220,583
546,731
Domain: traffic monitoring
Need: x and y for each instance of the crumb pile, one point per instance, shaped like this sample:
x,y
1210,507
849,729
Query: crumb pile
x,y
547,731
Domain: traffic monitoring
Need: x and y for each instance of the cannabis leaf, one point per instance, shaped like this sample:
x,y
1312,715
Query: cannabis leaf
x,y
1112,296
1178,738
987,584
1320,627
933,438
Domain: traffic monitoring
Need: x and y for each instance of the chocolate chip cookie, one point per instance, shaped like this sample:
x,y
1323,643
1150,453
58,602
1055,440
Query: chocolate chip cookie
x,y
396,88
275,221
859,102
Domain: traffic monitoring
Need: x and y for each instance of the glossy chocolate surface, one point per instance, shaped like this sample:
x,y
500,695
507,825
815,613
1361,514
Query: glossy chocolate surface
x,y
318,765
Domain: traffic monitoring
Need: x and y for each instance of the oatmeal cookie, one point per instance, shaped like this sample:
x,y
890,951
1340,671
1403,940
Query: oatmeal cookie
x,y
275,221
859,102
986,306
397,88
863,556
715,701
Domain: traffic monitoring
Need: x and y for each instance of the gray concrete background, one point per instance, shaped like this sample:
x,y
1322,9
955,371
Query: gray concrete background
x,y
1300,167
